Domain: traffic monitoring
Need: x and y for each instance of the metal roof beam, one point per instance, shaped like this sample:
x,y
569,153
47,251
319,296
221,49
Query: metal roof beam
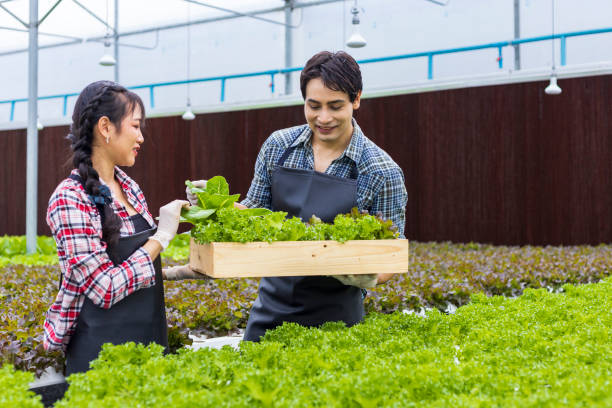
x,y
179,25
26,25
21,30
49,12
238,13
91,13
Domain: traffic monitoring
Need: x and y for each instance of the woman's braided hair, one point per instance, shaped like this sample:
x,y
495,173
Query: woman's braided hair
x,y
98,99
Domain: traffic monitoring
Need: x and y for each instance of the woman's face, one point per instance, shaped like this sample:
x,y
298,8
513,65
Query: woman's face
x,y
125,142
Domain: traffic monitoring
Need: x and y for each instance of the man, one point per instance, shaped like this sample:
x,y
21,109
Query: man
x,y
325,168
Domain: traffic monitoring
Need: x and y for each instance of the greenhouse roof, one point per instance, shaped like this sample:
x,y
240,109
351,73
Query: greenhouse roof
x,y
73,19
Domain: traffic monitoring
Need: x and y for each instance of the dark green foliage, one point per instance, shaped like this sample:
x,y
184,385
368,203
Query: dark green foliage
x,y
539,350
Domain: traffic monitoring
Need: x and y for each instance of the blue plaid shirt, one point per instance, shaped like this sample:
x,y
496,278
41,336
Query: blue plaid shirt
x,y
380,185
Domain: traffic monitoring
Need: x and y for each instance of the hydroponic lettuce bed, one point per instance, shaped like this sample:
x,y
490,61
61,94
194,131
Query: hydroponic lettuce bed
x,y
440,273
539,350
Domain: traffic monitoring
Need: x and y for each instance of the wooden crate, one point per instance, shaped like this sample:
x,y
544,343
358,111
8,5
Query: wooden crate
x,y
299,258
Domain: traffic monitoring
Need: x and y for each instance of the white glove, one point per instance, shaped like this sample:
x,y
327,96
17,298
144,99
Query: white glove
x,y
169,216
193,199
182,272
361,281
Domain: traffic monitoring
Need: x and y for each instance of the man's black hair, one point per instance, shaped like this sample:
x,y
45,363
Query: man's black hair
x,y
338,71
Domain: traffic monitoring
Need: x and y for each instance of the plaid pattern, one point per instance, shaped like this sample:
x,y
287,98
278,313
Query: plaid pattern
x,y
380,185
87,270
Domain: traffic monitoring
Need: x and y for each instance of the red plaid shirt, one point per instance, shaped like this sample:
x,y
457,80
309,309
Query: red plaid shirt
x,y
87,270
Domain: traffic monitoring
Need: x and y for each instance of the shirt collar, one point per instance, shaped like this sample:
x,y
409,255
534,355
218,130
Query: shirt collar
x,y
353,150
122,178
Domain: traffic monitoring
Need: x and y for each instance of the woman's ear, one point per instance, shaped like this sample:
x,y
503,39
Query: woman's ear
x,y
105,128
357,101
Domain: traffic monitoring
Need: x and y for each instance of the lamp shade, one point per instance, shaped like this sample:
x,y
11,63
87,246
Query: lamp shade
x,y
356,40
107,60
188,115
553,88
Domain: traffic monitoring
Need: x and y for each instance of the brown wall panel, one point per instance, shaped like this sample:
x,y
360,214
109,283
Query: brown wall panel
x,y
12,181
500,164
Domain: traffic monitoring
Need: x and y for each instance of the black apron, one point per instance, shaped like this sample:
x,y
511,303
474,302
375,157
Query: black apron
x,y
307,300
139,317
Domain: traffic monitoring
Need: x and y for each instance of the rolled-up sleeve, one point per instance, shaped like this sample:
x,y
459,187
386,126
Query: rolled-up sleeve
x,y
392,199
90,271
259,195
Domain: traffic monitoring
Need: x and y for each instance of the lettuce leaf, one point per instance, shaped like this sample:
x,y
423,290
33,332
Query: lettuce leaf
x,y
195,214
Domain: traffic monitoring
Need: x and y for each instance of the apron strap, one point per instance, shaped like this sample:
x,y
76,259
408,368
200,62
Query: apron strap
x,y
354,172
281,162
283,158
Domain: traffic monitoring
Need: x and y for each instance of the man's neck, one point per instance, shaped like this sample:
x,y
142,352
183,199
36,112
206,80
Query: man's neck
x,y
334,148
326,152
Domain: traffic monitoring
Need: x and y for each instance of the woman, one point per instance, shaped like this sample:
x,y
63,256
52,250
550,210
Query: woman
x,y
107,241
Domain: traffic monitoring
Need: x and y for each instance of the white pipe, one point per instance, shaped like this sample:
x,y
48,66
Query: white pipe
x,y
32,138
116,37
288,44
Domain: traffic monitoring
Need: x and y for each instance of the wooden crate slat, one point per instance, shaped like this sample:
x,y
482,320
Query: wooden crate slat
x,y
299,258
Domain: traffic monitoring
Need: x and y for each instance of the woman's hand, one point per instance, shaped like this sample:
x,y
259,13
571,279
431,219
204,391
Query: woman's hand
x,y
169,216
181,272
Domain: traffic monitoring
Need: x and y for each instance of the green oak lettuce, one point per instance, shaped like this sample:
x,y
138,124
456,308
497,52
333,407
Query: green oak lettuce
x,y
215,219
539,350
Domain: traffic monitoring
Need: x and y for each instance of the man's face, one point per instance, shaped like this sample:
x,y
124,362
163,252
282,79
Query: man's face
x,y
329,112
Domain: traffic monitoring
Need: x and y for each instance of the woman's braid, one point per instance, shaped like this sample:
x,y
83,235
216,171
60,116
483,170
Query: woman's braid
x,y
81,137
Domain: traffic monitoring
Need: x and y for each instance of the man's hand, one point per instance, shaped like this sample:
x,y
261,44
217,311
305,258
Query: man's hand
x,y
192,198
384,278
361,281
181,272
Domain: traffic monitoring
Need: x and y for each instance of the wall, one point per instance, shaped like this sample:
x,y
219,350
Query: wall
x,y
499,164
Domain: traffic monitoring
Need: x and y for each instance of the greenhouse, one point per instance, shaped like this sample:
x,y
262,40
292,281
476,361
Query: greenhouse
x,y
300,203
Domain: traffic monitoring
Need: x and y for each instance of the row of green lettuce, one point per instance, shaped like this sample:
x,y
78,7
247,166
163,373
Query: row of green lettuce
x,y
541,349
440,274
13,250
215,219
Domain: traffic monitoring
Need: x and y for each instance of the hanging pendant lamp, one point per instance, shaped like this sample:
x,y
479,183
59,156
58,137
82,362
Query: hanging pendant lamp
x,y
356,40
107,59
553,88
188,115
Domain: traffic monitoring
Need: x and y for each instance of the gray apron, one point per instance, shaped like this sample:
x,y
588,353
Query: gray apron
x,y
307,300
139,317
